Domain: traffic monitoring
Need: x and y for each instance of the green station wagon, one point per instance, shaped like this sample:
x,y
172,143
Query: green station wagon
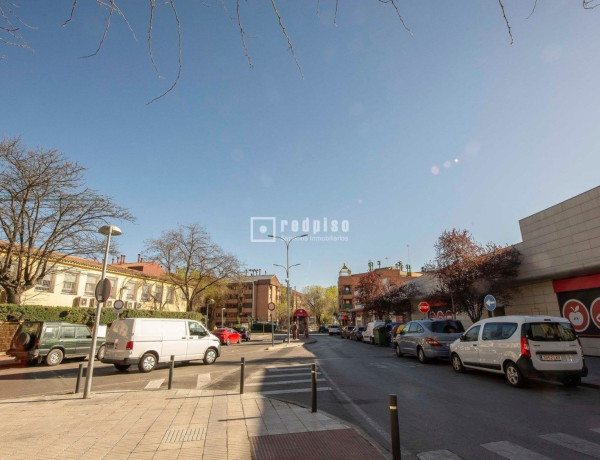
x,y
52,341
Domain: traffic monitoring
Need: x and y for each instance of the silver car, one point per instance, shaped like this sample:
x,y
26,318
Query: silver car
x,y
428,339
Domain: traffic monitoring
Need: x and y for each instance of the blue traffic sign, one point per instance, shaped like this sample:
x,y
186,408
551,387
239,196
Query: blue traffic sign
x,y
490,302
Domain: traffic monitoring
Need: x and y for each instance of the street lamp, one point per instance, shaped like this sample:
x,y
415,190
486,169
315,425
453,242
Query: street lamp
x,y
209,302
287,272
108,230
223,317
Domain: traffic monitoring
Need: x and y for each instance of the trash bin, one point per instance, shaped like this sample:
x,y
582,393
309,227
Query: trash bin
x,y
380,335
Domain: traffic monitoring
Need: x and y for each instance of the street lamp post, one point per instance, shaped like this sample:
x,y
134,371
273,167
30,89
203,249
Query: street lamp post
x,y
108,230
287,273
223,317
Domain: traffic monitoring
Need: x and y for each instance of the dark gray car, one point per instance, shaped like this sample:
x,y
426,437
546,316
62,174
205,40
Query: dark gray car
x,y
428,339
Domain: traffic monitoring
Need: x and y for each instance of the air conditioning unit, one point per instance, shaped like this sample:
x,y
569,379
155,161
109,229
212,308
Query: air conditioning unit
x,y
138,305
109,303
130,304
81,301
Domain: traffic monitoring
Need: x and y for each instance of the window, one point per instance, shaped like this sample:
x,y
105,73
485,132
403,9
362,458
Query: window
x,y
170,295
69,283
472,334
498,331
82,332
550,332
146,290
158,293
129,291
67,332
51,333
196,329
44,284
446,327
90,284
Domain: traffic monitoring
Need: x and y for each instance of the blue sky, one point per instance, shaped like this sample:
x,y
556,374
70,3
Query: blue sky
x,y
402,136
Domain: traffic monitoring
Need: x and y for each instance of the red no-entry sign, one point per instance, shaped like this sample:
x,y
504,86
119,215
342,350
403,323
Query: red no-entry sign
x,y
423,307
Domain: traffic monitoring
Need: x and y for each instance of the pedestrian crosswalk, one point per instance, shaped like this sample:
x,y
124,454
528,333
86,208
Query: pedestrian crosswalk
x,y
289,379
506,449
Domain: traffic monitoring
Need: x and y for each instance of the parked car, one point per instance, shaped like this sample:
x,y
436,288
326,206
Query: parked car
x,y
228,335
323,329
244,332
522,347
357,333
428,339
346,330
52,341
334,329
368,332
149,341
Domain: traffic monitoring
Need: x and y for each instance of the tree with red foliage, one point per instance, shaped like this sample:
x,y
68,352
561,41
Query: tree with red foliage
x,y
369,288
468,271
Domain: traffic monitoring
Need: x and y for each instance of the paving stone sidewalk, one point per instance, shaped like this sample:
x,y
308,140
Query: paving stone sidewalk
x,y
179,424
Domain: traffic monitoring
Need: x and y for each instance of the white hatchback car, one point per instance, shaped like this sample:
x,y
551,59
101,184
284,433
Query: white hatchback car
x,y
521,347
334,329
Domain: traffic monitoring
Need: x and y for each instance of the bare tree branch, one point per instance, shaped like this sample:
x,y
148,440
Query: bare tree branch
x,y
285,34
73,6
239,20
532,10
506,21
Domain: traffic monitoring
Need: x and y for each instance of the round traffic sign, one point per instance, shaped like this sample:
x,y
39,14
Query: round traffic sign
x,y
118,305
423,307
490,302
271,306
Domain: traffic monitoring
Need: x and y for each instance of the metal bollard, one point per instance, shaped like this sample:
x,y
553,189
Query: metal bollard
x,y
395,429
243,365
171,368
79,376
313,386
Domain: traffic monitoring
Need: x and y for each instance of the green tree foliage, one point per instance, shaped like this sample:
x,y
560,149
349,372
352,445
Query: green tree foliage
x,y
321,302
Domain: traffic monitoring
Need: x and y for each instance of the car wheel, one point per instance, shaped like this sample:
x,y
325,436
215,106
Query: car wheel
x,y
571,381
122,367
54,357
228,342
513,375
421,356
100,353
457,364
147,363
210,356
398,352
239,340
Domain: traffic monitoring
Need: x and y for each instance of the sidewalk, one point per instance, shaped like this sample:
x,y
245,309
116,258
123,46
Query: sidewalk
x,y
198,424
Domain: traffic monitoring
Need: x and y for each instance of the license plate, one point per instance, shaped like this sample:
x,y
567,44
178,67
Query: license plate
x,y
551,358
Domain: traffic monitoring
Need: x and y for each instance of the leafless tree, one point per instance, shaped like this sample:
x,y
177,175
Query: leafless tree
x,y
11,25
46,214
193,262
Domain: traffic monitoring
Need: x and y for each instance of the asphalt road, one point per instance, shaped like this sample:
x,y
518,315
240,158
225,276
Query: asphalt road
x,y
443,415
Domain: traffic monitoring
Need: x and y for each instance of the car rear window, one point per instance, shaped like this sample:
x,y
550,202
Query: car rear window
x,y
445,327
550,332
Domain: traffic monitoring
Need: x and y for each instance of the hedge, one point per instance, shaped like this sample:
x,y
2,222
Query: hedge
x,y
80,315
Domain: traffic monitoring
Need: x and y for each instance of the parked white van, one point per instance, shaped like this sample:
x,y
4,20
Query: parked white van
x,y
521,347
149,341
368,332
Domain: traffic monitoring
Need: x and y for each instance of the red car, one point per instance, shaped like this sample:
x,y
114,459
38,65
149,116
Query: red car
x,y
227,335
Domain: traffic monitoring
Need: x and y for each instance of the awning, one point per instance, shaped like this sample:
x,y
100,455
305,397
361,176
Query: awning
x,y
300,312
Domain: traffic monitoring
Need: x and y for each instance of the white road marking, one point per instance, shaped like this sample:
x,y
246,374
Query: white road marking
x,y
285,382
304,374
512,451
154,384
203,379
571,442
288,368
299,390
438,455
